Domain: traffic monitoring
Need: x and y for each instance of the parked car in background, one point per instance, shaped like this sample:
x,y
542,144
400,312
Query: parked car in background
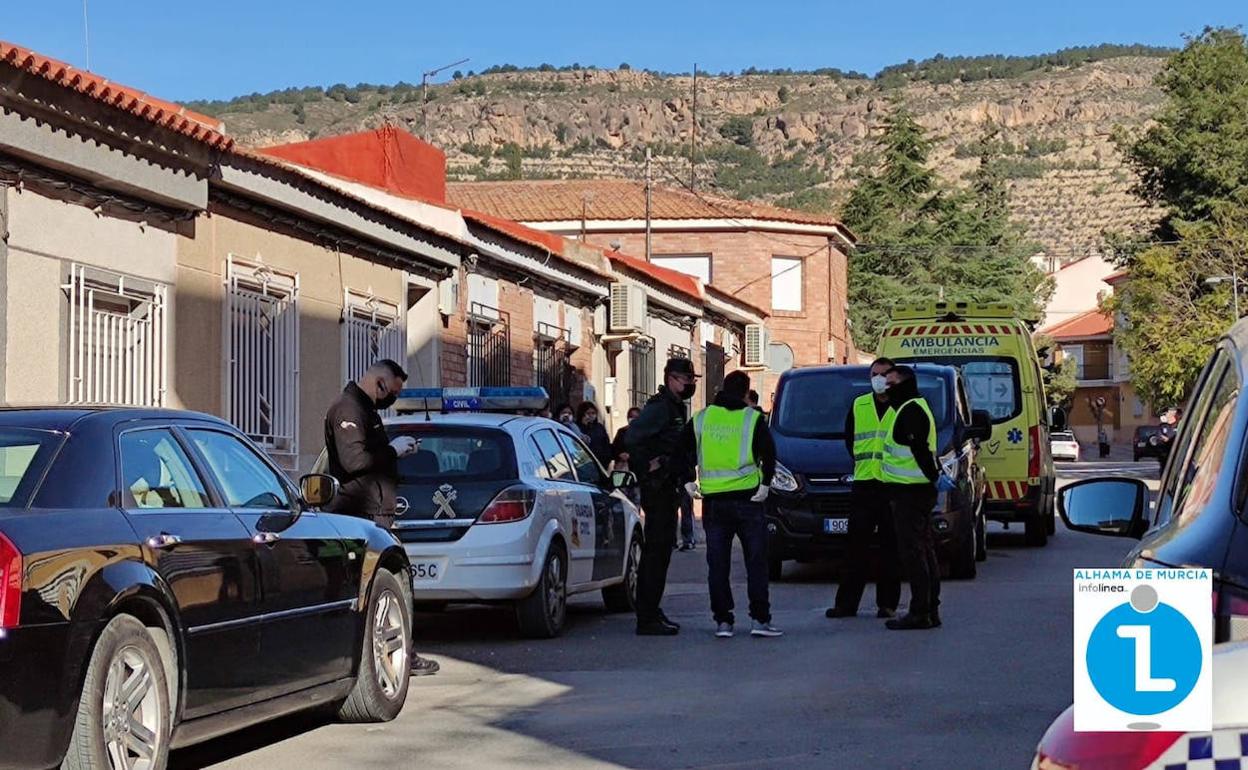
x,y
1200,515
504,509
162,583
1062,748
1145,442
1064,447
808,510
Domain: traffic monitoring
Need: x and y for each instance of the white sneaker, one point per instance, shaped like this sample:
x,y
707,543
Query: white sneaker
x,y
724,631
765,629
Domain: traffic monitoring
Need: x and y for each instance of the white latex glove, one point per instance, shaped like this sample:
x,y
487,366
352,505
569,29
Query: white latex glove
x,y
693,490
404,445
761,494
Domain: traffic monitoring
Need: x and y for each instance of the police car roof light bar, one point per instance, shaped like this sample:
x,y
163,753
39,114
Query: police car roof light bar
x,y
471,400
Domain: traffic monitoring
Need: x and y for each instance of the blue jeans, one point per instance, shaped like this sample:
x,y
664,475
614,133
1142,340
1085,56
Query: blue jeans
x,y
686,519
724,519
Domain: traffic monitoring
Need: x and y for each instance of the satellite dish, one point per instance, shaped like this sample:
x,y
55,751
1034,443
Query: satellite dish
x,y
779,357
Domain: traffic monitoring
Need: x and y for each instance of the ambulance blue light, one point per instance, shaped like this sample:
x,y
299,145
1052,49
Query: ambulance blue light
x,y
471,400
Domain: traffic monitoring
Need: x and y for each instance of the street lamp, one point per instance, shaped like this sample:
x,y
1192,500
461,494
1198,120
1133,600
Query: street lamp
x,y
1233,279
424,95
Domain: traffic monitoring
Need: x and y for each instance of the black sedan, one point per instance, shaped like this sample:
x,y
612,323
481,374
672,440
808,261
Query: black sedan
x,y
163,583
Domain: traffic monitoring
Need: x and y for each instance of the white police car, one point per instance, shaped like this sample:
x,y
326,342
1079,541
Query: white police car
x,y
1226,746
509,509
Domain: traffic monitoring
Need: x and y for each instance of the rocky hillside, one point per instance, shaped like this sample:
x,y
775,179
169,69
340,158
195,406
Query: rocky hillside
x,y
787,138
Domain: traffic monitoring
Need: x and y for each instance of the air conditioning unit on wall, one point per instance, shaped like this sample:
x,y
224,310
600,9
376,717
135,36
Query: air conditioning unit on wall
x,y
628,308
755,345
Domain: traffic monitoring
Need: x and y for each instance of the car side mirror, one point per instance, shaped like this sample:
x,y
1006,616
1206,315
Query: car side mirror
x,y
317,489
980,428
623,479
1112,507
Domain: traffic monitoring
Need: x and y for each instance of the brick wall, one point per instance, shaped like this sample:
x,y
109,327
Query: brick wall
x,y
741,265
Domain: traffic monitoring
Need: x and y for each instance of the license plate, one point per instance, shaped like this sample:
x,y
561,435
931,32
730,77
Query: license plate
x,y
835,526
427,571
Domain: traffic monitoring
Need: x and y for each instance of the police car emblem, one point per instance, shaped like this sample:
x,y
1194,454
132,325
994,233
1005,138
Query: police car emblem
x,y
401,505
443,498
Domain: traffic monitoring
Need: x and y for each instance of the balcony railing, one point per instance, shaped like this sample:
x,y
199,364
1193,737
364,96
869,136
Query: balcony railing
x,y
1094,372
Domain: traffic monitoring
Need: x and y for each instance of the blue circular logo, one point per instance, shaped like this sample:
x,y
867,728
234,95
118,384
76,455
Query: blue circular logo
x,y
1144,657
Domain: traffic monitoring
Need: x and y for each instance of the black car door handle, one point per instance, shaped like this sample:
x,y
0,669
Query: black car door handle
x,y
163,540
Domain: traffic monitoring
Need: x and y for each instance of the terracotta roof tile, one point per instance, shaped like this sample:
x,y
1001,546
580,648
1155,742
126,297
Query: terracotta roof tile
x,y
172,116
613,199
1093,323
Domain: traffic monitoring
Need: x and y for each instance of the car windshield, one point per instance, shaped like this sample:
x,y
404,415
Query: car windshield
x,y
449,454
815,405
23,456
992,384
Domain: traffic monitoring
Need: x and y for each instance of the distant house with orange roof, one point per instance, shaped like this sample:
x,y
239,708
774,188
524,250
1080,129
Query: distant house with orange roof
x,y
789,264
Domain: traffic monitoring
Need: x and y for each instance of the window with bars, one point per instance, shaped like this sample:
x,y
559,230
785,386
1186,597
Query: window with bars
x,y
118,350
262,351
552,365
489,346
371,330
641,365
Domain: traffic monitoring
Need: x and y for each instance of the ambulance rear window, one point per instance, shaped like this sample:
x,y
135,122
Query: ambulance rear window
x,y
992,384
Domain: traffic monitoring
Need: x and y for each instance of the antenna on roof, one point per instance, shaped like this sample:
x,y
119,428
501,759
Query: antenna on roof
x,y
86,32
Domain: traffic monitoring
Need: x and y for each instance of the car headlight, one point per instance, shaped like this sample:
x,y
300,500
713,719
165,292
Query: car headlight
x,y
784,480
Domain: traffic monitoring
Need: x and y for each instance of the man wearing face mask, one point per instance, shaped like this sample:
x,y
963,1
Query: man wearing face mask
x,y
364,459
865,426
662,468
913,478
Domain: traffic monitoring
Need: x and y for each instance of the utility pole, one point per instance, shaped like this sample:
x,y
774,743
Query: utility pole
x,y
647,204
693,135
424,95
86,32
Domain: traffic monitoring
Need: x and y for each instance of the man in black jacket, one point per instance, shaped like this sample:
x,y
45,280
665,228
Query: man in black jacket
x,y
361,456
732,499
912,479
654,456
364,459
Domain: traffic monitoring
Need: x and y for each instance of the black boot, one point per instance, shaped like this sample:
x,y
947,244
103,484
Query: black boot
x,y
884,613
663,617
934,615
424,666
656,628
840,612
909,622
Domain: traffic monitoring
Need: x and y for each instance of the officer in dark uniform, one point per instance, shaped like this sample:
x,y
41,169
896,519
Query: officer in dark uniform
x,y
662,468
364,459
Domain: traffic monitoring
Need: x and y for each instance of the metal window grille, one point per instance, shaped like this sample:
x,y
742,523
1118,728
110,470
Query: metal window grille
x,y
552,365
371,330
262,348
641,365
489,346
118,338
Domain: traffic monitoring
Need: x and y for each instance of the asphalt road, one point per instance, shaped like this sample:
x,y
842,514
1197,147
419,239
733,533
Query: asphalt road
x,y
977,693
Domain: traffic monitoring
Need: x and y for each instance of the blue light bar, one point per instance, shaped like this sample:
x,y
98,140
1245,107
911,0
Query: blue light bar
x,y
471,400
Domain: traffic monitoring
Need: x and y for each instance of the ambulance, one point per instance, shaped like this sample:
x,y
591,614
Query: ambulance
x,y
994,350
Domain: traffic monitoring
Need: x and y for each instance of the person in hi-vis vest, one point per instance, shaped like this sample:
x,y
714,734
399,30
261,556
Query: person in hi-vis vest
x,y
868,420
736,459
912,478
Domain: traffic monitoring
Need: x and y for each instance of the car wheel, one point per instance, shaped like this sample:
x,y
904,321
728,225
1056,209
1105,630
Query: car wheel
x,y
542,613
963,565
1036,530
981,538
622,597
386,658
124,713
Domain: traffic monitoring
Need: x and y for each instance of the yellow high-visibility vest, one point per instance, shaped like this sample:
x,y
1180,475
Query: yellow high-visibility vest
x,y
900,466
870,430
726,460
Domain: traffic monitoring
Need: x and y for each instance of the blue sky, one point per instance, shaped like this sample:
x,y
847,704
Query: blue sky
x,y
183,49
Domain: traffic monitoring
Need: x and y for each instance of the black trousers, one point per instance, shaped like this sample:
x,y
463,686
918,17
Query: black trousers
x,y
660,501
912,518
723,519
870,510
